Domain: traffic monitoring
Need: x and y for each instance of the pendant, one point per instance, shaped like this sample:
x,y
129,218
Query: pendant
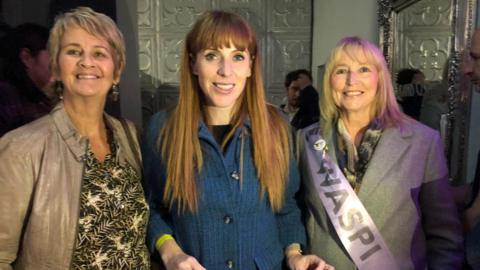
x,y
320,145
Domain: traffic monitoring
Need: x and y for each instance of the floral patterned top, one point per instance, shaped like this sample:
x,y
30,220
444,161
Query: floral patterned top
x,y
113,216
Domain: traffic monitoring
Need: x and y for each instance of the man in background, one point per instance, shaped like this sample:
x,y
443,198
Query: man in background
x,y
471,215
290,107
306,98
26,91
471,64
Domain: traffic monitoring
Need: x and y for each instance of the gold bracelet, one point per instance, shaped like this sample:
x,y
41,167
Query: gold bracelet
x,y
293,249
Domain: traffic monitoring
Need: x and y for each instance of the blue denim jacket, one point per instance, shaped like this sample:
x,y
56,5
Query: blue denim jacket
x,y
234,227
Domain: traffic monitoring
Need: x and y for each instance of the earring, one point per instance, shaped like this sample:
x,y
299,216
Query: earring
x,y
59,89
114,92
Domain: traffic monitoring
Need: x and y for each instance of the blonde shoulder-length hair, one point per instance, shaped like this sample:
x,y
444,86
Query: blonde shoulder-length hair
x,y
386,108
178,141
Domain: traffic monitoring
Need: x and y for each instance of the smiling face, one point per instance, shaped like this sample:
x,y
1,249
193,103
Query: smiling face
x,y
222,74
85,65
354,84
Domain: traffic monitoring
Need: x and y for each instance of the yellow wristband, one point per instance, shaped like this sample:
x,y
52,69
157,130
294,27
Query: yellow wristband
x,y
162,240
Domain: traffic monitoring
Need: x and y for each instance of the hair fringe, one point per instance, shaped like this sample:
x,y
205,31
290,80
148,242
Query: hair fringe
x,y
179,143
386,110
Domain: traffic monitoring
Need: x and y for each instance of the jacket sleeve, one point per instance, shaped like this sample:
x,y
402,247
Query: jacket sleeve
x,y
289,219
16,185
154,183
439,215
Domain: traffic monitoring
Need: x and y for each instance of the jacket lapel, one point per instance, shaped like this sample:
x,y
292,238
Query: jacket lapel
x,y
75,143
393,143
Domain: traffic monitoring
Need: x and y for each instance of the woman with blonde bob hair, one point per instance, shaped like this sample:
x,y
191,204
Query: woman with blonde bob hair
x,y
375,180
70,190
220,178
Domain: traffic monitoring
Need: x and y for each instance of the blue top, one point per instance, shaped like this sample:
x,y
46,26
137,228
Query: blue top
x,y
233,227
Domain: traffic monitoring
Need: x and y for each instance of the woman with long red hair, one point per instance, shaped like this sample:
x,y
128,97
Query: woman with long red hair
x,y
220,178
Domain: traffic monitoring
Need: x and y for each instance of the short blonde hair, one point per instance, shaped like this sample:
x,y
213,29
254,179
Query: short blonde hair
x,y
386,108
94,23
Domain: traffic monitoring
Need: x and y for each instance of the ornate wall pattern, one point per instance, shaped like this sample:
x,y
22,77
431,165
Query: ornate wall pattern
x,y
432,35
283,30
424,37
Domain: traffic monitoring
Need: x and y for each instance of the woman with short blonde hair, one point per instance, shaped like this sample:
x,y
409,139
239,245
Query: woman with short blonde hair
x,y
70,189
94,23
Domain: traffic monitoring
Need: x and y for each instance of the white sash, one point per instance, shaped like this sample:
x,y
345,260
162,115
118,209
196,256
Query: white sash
x,y
351,221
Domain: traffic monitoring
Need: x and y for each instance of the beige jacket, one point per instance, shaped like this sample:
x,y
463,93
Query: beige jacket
x,y
41,171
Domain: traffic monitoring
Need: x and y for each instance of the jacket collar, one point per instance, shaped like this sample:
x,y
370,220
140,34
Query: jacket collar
x,y
393,143
75,142
78,144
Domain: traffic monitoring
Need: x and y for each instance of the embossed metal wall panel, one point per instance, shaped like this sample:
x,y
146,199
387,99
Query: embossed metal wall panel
x,y
178,15
443,27
283,30
289,51
170,49
424,37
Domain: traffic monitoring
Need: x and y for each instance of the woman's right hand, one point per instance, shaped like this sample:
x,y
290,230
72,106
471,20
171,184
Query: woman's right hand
x,y
183,262
174,258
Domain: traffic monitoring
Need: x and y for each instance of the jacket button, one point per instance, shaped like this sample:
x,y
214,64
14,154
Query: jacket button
x,y
227,219
235,175
229,264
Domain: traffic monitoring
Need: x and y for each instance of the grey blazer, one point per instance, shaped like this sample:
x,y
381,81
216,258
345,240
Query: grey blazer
x,y
405,191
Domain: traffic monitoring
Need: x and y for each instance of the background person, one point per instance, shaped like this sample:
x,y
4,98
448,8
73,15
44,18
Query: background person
x,y
308,111
411,90
27,88
293,92
70,187
395,166
471,215
215,200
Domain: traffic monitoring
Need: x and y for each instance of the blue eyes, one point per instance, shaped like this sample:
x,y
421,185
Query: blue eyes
x,y
238,57
210,56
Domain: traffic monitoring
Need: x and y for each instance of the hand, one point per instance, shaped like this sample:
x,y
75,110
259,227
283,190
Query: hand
x,y
183,262
307,262
174,258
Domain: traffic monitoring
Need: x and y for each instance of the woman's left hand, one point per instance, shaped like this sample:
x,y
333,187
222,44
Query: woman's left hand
x,y
307,262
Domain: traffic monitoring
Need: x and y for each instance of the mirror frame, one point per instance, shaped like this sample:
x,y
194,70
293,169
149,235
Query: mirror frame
x,y
459,91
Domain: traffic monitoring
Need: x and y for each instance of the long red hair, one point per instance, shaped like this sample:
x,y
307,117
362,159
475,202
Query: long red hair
x,y
178,141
